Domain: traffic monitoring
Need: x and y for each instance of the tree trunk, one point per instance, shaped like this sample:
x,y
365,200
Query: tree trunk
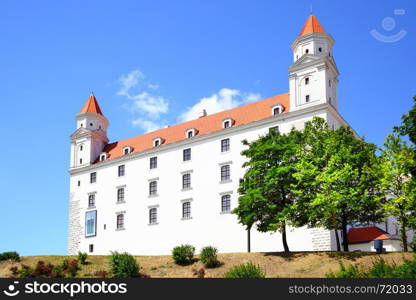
x,y
285,246
403,235
248,240
344,235
337,239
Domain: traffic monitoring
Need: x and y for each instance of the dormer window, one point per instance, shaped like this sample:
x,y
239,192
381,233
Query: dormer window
x,y
103,156
306,80
157,142
277,109
190,133
126,150
227,123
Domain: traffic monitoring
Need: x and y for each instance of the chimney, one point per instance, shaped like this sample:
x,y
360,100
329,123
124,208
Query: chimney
x,y
203,113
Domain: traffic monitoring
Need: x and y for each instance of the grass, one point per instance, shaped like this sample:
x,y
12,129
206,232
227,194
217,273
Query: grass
x,y
300,264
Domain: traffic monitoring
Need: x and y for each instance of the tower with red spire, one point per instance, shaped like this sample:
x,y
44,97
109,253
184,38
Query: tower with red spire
x,y
90,138
313,77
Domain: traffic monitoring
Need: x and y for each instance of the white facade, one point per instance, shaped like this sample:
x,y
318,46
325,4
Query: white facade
x,y
207,224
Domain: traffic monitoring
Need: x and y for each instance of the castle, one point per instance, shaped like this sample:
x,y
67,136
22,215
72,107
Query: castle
x,y
150,193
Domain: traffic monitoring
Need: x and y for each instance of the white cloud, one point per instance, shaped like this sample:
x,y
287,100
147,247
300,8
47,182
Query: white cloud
x,y
133,86
223,100
154,106
146,125
129,81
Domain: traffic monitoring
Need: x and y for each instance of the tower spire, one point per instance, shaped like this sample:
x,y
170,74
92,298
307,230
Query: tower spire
x,y
91,105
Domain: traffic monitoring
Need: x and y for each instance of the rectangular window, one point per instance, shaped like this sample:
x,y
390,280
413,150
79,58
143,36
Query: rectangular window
x,y
120,195
274,129
120,221
225,203
227,124
186,181
186,154
153,162
153,188
91,223
91,201
121,170
91,248
186,210
93,177
153,215
225,172
79,183
276,111
307,98
225,145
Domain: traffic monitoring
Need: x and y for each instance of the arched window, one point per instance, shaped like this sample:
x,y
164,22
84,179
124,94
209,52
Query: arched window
x,y
277,109
103,156
190,133
306,80
127,150
227,123
157,142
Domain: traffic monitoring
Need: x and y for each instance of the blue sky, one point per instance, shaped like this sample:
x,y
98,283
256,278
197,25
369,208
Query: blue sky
x,y
150,62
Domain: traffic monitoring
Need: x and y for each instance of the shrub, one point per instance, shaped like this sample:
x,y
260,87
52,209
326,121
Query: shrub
x,y
199,273
101,274
71,267
123,265
351,271
43,269
12,255
208,257
248,270
379,269
82,257
183,255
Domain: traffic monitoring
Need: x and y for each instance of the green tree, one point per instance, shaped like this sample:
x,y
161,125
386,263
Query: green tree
x,y
338,179
266,195
398,161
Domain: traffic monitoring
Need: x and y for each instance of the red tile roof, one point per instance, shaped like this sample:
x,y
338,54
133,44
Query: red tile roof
x,y
241,115
91,106
367,234
312,25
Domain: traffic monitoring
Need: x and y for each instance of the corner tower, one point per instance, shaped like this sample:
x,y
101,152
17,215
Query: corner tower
x,y
90,138
313,77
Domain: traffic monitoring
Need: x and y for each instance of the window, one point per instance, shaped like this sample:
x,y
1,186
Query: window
x,y
186,154
91,248
330,100
307,98
307,51
329,82
225,172
120,221
227,123
225,203
120,195
225,145
127,150
81,148
91,201
121,170
186,210
186,181
91,124
306,80
276,111
190,133
153,215
152,187
157,142
80,161
79,182
153,162
274,129
103,157
93,177
90,223
320,49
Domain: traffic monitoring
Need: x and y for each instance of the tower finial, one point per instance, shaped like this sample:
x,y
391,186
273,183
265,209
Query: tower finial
x,y
91,93
311,10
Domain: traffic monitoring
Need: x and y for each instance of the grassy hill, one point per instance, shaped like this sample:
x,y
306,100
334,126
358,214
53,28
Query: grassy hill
x,y
300,264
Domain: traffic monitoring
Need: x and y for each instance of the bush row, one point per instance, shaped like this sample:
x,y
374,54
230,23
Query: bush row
x,y
379,269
